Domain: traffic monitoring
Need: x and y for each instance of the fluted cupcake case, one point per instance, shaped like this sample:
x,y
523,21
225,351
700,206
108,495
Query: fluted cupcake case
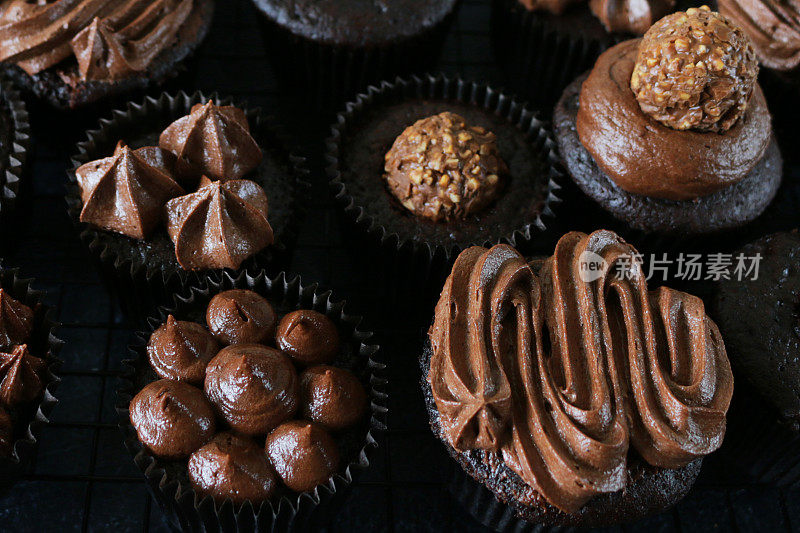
x,y
146,273
168,480
43,343
14,147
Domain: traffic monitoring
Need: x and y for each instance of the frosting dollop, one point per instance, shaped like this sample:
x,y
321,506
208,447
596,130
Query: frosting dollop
x,y
240,316
16,320
303,454
308,337
214,141
126,192
630,16
559,372
181,350
773,27
253,387
220,225
332,397
20,376
643,156
232,466
172,418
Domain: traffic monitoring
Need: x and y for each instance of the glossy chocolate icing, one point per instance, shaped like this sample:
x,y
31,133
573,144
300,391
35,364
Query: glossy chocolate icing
x,y
16,320
332,397
181,350
772,25
558,377
630,16
20,376
303,454
241,317
308,337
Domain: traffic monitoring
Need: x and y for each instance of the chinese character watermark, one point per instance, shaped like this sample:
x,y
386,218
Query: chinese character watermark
x,y
684,267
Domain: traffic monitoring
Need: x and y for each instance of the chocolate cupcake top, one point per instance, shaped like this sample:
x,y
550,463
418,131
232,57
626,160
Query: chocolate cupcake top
x,y
560,372
773,27
303,454
6,433
441,168
214,141
220,225
332,397
232,466
20,376
308,337
253,387
16,320
110,40
630,16
126,192
695,70
181,350
172,418
241,317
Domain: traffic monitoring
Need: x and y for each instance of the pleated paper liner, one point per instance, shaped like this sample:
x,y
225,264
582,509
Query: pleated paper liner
x,y
146,273
418,253
28,419
168,480
15,143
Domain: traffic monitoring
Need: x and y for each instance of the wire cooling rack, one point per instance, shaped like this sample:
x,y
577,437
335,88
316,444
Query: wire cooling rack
x,y
83,478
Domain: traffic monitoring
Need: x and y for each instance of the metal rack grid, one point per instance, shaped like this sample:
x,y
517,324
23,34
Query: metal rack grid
x,y
84,479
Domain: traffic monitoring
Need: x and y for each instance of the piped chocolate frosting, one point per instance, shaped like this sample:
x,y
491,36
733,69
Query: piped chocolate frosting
x,y
773,27
308,337
16,320
303,454
220,225
126,192
630,16
557,369
332,397
20,376
181,350
241,317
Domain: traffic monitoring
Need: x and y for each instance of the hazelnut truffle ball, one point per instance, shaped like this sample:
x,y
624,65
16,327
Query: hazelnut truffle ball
x,y
332,397
303,454
695,70
253,387
172,418
308,337
240,317
232,466
181,350
441,168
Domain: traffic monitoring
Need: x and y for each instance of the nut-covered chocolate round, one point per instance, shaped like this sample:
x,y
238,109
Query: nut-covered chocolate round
x,y
442,168
232,466
332,397
240,316
253,387
181,350
303,454
172,418
695,70
308,337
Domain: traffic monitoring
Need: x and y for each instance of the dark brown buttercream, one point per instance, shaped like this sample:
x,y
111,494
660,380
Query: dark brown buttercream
x,y
308,337
16,320
332,397
214,141
126,192
172,418
303,454
220,225
181,350
553,6
20,376
630,16
253,387
643,156
559,376
232,466
241,317
773,27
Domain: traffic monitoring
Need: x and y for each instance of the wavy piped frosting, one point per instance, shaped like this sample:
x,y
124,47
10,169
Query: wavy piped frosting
x,y
212,140
630,16
16,320
220,225
110,39
126,192
773,27
20,376
561,376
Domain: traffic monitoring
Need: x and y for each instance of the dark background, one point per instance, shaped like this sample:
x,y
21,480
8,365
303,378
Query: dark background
x,y
83,478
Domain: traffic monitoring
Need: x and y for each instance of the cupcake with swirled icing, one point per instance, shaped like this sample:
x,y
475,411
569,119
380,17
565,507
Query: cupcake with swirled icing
x,y
567,388
74,52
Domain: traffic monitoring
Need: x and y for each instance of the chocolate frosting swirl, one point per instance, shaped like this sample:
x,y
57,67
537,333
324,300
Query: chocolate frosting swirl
x,y
126,192
308,337
111,39
240,316
559,376
630,16
332,397
20,375
220,225
773,27
16,320
212,140
181,350
303,454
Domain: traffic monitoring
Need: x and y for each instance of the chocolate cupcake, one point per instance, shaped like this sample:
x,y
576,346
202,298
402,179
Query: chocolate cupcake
x,y
333,49
587,372
671,134
77,52
268,464
181,158
15,142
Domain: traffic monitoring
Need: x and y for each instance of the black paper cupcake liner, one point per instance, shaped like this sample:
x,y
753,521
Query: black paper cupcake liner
x,y
146,273
168,481
14,147
43,343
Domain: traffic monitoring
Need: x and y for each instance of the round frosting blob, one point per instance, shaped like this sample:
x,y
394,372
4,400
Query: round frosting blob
x,y
645,157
